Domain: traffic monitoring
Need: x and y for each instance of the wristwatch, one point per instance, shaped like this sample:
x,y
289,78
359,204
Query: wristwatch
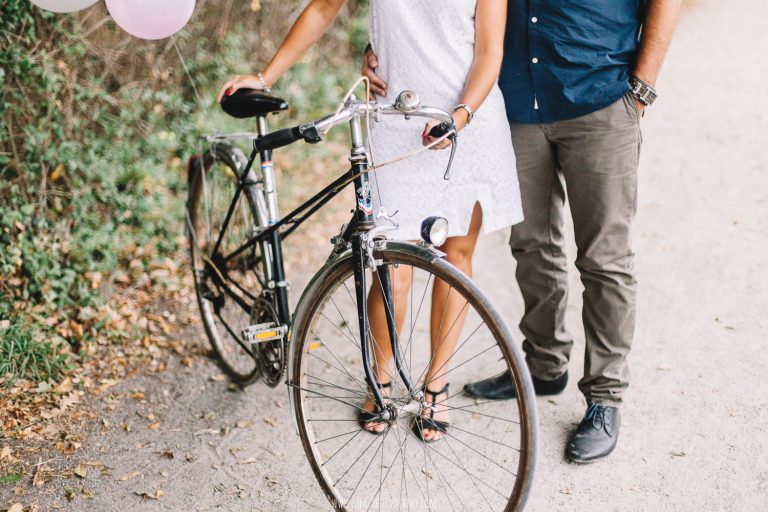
x,y
642,91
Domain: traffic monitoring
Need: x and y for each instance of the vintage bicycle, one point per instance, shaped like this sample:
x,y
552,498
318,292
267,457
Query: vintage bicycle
x,y
324,350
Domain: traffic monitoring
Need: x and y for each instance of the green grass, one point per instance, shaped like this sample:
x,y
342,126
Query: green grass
x,y
24,354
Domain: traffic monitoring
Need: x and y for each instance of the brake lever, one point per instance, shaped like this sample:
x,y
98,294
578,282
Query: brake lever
x,y
454,143
438,131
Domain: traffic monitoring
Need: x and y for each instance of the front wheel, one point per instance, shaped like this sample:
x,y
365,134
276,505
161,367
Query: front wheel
x,y
485,459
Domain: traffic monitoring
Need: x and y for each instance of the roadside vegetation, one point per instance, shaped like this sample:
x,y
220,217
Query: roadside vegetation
x,y
95,130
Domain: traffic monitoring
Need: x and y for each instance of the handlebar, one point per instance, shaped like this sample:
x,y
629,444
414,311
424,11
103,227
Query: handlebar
x,y
406,105
313,132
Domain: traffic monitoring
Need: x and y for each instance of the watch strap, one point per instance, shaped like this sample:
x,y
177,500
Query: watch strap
x,y
642,91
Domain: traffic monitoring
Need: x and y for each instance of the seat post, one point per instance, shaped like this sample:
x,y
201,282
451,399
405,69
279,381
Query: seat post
x,y
261,126
268,173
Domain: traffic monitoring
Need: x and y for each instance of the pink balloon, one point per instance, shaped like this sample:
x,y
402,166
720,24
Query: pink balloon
x,y
151,19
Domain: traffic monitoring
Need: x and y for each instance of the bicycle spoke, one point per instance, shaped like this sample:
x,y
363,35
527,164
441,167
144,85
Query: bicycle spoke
x,y
459,465
328,397
472,479
440,342
342,447
357,459
351,336
462,364
418,312
357,431
381,444
343,371
383,479
480,454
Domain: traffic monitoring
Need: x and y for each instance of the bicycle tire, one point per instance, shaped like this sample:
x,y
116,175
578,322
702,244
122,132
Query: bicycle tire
x,y
305,339
242,368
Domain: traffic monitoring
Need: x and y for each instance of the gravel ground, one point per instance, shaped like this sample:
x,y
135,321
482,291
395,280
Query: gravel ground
x,y
694,424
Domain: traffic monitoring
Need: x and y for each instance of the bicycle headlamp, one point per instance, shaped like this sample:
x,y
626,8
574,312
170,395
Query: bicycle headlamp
x,y
434,230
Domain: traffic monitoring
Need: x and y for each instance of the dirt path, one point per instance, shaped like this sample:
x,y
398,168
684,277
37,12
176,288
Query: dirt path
x,y
693,436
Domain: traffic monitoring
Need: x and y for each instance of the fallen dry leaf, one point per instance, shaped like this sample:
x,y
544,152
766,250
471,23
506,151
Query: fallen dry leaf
x,y
244,423
271,421
5,453
16,507
678,453
154,426
150,496
131,476
218,378
81,471
567,490
64,387
243,462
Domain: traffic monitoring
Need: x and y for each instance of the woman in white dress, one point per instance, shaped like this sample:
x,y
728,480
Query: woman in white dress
x,y
449,52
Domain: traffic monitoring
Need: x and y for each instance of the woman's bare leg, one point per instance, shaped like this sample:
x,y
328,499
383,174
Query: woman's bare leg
x,y
449,310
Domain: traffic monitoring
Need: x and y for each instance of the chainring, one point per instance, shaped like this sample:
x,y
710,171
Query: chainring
x,y
270,355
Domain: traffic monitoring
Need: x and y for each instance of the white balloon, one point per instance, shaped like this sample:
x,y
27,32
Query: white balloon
x,y
63,5
151,19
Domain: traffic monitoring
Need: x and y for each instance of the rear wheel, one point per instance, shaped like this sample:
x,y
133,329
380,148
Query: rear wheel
x,y
485,460
229,293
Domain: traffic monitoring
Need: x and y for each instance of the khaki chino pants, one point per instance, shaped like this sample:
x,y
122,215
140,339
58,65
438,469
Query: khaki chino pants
x,y
593,159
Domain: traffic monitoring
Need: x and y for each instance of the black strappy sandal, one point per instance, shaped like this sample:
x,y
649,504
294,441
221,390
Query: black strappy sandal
x,y
422,423
365,417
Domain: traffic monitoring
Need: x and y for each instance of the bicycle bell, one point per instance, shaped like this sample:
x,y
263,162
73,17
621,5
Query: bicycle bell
x,y
408,102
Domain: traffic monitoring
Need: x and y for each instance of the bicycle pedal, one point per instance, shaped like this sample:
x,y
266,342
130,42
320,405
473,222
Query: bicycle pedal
x,y
262,333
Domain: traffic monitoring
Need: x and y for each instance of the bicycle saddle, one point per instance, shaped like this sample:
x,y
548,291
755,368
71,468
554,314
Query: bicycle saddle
x,y
246,103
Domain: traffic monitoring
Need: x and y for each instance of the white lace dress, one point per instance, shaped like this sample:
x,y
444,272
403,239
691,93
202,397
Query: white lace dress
x,y
428,46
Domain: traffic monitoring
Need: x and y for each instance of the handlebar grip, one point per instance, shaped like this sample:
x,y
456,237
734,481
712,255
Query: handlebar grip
x,y
439,130
278,139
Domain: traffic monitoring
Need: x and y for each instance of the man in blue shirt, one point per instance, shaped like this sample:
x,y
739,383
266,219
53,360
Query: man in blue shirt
x,y
576,77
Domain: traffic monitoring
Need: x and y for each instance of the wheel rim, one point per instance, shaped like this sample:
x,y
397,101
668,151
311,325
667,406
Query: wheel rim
x,y
223,317
483,462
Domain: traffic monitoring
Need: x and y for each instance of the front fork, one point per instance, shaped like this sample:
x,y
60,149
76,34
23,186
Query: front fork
x,y
361,260
362,256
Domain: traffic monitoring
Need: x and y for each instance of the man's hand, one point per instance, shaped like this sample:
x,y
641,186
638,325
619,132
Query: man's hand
x,y
640,107
370,63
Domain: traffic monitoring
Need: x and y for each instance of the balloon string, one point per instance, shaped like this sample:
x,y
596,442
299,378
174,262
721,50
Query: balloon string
x,y
189,77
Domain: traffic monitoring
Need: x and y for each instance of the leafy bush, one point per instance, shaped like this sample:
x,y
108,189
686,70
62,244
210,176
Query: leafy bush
x,y
95,128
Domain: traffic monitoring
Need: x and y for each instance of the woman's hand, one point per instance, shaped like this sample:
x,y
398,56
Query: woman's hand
x,y
240,82
459,120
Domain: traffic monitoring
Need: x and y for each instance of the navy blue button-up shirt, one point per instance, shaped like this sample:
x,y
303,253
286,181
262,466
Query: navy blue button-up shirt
x,y
567,58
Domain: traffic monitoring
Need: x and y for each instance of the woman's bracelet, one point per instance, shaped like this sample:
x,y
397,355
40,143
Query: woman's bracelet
x,y
470,112
264,83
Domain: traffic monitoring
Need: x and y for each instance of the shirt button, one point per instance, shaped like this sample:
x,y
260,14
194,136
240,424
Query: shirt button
x,y
535,60
534,20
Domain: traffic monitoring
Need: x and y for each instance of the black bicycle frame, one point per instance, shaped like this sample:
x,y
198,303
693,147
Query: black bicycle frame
x,y
362,222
